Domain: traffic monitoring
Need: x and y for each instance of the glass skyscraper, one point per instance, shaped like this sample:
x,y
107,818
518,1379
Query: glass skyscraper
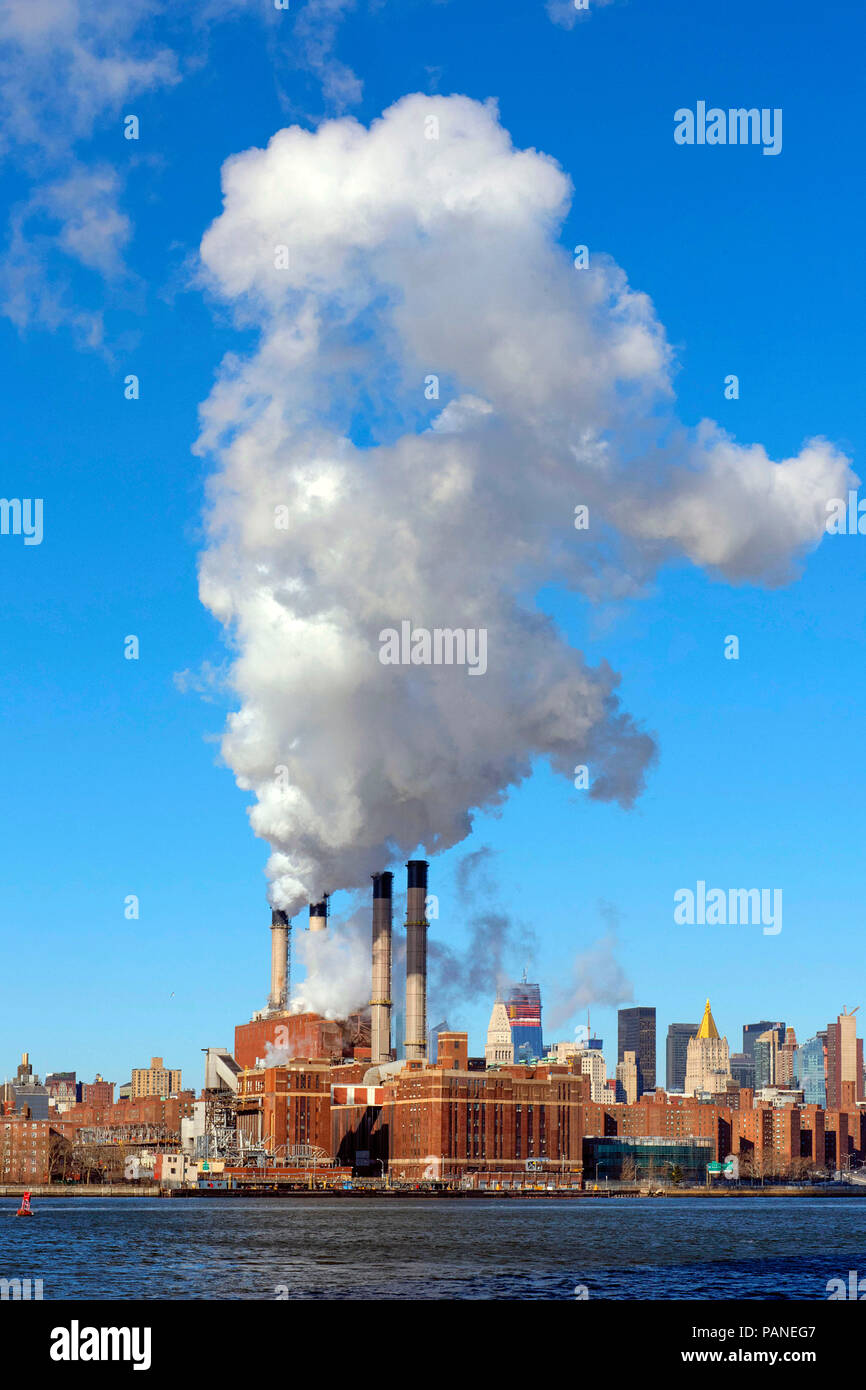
x,y
810,1070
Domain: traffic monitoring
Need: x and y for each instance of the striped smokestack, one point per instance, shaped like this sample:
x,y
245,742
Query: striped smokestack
x,y
280,929
416,960
380,1004
319,915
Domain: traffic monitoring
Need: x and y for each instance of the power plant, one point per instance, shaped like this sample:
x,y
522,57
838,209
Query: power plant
x,y
381,1003
306,1100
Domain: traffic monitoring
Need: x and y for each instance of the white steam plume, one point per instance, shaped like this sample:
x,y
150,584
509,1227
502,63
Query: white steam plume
x,y
337,964
368,260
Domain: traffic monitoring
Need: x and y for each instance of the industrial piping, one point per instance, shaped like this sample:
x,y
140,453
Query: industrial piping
x,y
280,929
380,1004
416,960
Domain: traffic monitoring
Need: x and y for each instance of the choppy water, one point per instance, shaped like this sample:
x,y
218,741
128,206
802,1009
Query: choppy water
x,y
225,1248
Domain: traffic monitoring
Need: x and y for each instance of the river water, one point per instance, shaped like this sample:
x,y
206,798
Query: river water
x,y
398,1248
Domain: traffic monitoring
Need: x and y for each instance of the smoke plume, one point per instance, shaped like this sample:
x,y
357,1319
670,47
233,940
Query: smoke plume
x,y
434,389
596,976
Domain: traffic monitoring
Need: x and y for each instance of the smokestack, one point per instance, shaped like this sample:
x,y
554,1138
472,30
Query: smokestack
x,y
416,960
280,928
380,1004
319,915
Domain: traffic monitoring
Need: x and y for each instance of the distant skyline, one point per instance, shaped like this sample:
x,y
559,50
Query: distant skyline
x,y
112,778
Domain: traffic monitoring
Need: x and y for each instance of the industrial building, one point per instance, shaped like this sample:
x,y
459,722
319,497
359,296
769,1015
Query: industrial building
x,y
303,1099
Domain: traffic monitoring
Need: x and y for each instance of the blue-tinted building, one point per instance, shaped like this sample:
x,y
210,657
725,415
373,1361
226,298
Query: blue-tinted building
x,y
810,1074
645,1158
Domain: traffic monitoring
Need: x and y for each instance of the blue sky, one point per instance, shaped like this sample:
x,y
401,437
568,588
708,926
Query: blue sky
x,y
112,778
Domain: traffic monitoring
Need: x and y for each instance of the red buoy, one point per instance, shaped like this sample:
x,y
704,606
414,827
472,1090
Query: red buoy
x,y
25,1209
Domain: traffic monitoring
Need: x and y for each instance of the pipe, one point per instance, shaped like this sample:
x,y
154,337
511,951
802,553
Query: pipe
x,y
380,1004
416,960
280,929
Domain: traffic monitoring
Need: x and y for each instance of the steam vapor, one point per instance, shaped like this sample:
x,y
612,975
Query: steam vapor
x,y
368,261
596,976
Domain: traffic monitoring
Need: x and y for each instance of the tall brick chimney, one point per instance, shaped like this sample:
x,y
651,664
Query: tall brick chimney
x,y
380,1004
416,960
280,929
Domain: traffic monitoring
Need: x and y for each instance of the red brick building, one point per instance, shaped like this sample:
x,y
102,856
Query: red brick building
x,y
301,1035
98,1092
447,1122
24,1149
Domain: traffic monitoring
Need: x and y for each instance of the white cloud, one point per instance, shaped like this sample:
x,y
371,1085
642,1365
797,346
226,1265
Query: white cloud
x,y
65,67
65,63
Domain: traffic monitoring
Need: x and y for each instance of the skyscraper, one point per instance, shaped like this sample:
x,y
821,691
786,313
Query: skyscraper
x,y
627,1079
785,1059
743,1070
810,1070
766,1049
636,1032
844,1061
708,1065
752,1031
676,1048
523,1006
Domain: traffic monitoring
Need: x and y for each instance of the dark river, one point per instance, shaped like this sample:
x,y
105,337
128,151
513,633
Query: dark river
x,y
264,1248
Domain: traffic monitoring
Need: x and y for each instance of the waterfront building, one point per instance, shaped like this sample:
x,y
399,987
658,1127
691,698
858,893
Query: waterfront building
x,y
646,1158
24,1147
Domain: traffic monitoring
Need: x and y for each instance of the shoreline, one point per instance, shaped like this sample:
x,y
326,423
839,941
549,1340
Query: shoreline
x,y
128,1190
